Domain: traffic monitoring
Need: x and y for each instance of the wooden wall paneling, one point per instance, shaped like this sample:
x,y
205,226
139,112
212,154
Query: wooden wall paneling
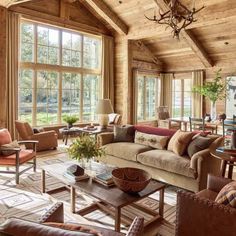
x,y
74,16
3,67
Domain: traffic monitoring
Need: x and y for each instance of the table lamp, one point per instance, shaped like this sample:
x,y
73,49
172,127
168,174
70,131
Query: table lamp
x,y
103,108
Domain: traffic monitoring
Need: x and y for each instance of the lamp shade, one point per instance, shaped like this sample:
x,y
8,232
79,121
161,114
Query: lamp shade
x,y
104,106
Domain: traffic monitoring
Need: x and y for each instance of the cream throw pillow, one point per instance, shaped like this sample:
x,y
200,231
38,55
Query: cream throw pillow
x,y
179,142
151,140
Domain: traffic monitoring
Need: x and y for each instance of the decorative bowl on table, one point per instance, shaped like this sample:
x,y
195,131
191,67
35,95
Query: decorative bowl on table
x,y
131,180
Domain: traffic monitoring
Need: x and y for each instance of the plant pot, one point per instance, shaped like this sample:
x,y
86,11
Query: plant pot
x,y
213,111
69,126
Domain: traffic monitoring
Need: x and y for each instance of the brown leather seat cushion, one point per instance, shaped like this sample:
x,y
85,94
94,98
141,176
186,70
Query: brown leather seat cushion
x,y
25,155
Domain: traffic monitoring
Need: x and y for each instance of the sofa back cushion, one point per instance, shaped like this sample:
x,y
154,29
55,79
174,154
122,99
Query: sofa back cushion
x,y
151,140
154,130
124,133
179,142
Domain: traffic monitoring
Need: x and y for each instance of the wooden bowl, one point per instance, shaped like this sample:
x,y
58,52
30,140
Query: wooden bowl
x,y
131,180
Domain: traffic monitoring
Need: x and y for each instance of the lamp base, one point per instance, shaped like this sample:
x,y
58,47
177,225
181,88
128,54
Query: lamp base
x,y
103,120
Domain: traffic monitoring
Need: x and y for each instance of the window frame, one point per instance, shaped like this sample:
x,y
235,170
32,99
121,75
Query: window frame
x,y
182,91
35,66
145,74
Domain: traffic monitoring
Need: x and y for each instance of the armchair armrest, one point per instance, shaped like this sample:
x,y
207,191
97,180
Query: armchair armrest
x,y
28,141
216,183
105,138
44,134
200,216
54,214
10,149
136,228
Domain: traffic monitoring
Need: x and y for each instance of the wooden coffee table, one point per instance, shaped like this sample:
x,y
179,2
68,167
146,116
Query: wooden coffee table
x,y
110,200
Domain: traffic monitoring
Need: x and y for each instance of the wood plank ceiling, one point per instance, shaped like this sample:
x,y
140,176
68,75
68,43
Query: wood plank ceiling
x,y
209,41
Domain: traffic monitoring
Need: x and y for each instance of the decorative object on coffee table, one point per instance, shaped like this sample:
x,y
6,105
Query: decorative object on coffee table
x,y
70,120
84,148
131,180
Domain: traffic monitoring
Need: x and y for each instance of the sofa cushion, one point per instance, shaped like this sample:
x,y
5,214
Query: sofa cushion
x,y
125,150
124,133
151,140
155,130
227,195
168,161
208,194
197,144
179,142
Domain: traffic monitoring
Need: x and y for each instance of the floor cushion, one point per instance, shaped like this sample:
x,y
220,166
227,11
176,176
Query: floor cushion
x,y
125,150
168,161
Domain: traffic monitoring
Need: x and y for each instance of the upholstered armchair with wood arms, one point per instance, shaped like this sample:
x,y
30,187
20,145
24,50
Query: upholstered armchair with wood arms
x,y
46,139
52,223
13,157
199,214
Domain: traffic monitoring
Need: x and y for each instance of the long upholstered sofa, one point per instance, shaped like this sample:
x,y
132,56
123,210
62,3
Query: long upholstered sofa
x,y
163,165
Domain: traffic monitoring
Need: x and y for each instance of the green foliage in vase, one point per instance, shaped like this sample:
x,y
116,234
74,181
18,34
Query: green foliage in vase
x,y
70,119
85,147
214,90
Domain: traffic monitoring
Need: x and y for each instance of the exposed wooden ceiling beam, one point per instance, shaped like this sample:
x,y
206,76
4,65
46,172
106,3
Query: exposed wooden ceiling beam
x,y
197,48
108,15
190,39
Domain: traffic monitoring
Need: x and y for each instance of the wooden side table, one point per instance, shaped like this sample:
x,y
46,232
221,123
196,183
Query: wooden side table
x,y
228,157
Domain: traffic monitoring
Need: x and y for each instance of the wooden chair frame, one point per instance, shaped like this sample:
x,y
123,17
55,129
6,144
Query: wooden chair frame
x,y
17,151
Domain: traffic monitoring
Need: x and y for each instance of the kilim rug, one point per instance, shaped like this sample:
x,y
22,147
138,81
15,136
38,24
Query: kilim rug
x,y
26,201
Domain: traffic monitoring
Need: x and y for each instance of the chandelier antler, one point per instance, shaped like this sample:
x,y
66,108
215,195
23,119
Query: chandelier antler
x,y
178,17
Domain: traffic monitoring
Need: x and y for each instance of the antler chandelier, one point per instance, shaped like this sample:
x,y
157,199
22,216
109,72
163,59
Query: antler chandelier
x,y
178,16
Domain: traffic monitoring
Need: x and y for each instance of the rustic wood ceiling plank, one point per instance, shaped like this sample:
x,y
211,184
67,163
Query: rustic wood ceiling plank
x,y
108,15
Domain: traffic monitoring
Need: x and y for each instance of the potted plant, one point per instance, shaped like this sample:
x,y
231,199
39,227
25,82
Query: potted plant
x,y
85,148
70,120
214,90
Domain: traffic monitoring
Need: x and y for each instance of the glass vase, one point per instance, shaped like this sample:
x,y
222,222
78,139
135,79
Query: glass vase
x,y
213,111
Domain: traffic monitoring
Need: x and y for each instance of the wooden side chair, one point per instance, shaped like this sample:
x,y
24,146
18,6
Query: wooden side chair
x,y
199,124
11,156
163,116
228,126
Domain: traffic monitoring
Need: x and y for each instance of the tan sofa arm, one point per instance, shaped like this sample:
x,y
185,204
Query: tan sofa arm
x,y
199,216
105,138
216,183
198,157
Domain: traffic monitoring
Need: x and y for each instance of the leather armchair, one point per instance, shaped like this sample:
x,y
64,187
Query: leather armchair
x,y
46,139
14,226
199,215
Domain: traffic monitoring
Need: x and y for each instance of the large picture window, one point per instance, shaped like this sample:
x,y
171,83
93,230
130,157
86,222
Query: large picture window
x,y
181,97
147,96
60,73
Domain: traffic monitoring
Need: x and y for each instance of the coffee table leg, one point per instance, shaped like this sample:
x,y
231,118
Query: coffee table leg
x,y
43,184
66,139
72,199
161,202
117,219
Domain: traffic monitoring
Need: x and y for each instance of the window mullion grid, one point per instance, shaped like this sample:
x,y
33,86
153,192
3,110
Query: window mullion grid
x,y
144,97
182,97
81,80
34,92
59,112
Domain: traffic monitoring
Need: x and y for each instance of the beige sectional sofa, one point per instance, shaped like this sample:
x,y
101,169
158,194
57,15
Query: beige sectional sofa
x,y
163,165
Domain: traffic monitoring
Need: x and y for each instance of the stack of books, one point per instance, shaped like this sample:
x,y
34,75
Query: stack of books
x,y
75,178
104,179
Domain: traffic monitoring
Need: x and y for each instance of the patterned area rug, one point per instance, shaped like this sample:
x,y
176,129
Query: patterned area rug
x,y
26,201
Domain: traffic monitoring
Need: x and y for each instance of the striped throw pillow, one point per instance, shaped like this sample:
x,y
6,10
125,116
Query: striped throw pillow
x,y
227,195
